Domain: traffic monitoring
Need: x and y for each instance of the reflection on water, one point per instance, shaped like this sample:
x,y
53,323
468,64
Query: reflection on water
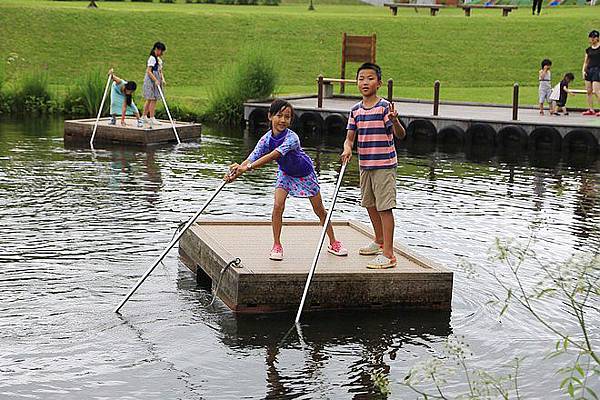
x,y
380,334
78,229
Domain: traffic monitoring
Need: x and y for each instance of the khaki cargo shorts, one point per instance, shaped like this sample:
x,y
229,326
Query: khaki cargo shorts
x,y
378,188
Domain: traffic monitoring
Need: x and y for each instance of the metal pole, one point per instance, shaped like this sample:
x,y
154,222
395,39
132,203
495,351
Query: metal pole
x,y
390,90
515,107
170,246
320,244
168,113
436,98
100,111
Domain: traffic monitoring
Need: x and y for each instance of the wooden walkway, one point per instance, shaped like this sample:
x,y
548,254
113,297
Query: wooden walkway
x,y
455,111
80,132
263,285
492,124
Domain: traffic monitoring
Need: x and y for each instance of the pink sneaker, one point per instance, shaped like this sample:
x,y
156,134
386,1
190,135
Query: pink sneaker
x,y
276,253
337,248
589,112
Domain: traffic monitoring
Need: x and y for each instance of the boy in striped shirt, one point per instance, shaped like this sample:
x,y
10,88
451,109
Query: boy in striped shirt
x,y
376,122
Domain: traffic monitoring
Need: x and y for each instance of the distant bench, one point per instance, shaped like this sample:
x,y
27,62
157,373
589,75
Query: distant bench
x,y
506,9
433,8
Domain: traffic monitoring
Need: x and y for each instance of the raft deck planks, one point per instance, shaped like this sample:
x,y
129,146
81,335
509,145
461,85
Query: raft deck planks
x,y
80,131
262,285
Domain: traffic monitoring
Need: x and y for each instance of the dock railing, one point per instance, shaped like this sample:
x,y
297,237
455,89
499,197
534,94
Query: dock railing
x,y
515,105
436,97
325,88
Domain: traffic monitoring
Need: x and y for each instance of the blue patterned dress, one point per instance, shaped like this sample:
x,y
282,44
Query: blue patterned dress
x,y
296,174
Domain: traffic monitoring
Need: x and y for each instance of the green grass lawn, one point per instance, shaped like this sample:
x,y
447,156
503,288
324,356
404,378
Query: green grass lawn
x,y
476,58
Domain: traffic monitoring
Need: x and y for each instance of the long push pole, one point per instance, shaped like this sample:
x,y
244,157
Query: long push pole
x,y
168,113
100,110
170,246
320,244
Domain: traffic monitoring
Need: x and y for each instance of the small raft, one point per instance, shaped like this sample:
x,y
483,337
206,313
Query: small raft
x,y
259,285
80,131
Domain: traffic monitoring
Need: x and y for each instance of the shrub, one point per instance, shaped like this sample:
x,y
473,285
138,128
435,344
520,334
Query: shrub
x,y
254,77
5,98
142,1
32,94
1,76
85,97
179,112
270,2
167,1
6,102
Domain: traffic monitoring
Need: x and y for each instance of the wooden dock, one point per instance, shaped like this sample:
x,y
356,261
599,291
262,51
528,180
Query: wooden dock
x,y
80,131
261,285
452,123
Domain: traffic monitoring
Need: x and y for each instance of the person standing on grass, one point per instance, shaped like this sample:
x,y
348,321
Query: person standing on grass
x,y
545,88
296,175
375,122
152,80
591,72
121,100
536,4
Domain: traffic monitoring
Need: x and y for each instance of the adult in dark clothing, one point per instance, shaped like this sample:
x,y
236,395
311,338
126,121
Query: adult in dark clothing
x,y
591,71
536,4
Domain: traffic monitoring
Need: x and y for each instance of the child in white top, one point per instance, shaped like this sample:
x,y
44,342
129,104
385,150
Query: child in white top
x,y
152,80
545,88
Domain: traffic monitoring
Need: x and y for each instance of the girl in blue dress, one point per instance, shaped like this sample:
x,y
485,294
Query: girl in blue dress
x,y
296,175
121,100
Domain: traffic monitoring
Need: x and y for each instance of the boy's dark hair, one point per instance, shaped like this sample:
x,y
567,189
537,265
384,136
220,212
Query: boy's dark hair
x,y
545,62
131,85
279,105
569,76
594,34
371,66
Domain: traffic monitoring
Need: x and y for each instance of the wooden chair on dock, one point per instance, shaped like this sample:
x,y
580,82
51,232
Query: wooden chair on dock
x,y
358,49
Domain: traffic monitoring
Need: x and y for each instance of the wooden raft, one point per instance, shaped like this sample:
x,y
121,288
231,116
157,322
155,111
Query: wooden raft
x,y
80,131
260,285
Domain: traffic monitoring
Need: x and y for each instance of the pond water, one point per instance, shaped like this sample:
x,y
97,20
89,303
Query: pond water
x,y
77,229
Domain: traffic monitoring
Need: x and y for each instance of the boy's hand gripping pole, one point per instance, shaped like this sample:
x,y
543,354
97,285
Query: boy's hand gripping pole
x,y
100,111
170,246
320,244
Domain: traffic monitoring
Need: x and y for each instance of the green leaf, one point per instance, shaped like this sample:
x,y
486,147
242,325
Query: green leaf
x,y
580,370
571,390
591,392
